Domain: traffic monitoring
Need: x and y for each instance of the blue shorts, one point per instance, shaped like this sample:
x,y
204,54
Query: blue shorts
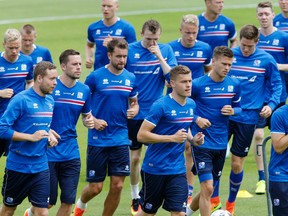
x,y
208,163
100,159
17,186
66,174
133,128
169,190
242,137
278,193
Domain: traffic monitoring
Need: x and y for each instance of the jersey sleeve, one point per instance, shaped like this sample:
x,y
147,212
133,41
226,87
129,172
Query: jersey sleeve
x,y
277,122
155,113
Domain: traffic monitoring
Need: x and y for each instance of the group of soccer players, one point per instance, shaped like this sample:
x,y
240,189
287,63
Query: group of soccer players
x,y
218,89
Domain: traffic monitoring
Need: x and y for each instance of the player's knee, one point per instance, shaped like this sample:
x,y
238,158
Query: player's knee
x,y
258,135
135,160
236,167
95,189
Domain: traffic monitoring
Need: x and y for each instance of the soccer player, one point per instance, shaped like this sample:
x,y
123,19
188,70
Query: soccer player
x,y
256,70
26,122
278,166
71,99
165,130
215,28
280,21
37,53
16,74
217,96
197,56
274,42
102,31
114,100
151,62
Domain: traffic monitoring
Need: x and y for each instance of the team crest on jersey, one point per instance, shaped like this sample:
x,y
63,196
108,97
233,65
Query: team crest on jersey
x,y
199,54
2,69
202,28
127,82
23,67
57,92
39,59
176,53
137,55
118,32
222,26
277,23
275,42
191,112
35,106
173,113
234,60
257,63
98,32
80,95
105,81
50,107
207,89
230,88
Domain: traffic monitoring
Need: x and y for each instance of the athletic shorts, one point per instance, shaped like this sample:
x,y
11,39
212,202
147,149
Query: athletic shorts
x,y
278,193
133,128
114,159
169,190
17,186
208,163
66,174
242,137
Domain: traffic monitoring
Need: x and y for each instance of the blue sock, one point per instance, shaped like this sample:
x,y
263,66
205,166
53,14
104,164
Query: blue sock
x,y
261,175
235,183
216,184
190,190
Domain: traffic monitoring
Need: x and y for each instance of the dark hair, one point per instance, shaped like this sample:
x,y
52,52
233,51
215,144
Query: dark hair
x,y
63,58
179,69
222,51
249,32
266,4
117,42
41,69
27,29
151,25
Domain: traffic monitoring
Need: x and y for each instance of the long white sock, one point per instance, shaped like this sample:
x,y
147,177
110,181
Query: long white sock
x,y
189,211
135,191
81,205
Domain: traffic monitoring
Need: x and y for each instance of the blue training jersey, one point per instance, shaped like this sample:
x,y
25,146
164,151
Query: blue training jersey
x,y
109,101
210,97
14,76
69,104
195,58
40,54
150,77
281,22
27,112
98,31
278,166
254,72
168,117
276,44
217,33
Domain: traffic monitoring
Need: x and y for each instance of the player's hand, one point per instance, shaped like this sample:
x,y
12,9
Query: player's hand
x,y
88,121
154,49
38,135
180,136
198,139
266,111
133,110
107,40
227,110
6,93
89,62
203,123
100,124
53,138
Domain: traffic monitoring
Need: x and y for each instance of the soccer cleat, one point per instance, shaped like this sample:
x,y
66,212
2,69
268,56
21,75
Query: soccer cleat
x,y
230,207
215,206
260,187
26,212
78,211
135,207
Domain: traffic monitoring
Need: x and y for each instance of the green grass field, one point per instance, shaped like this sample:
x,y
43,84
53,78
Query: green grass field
x,y
63,24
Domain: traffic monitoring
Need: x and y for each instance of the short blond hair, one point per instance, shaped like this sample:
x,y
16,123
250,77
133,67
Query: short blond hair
x,y
190,19
11,35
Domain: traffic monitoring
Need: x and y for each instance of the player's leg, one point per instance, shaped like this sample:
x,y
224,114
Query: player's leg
x,y
118,169
135,159
190,177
